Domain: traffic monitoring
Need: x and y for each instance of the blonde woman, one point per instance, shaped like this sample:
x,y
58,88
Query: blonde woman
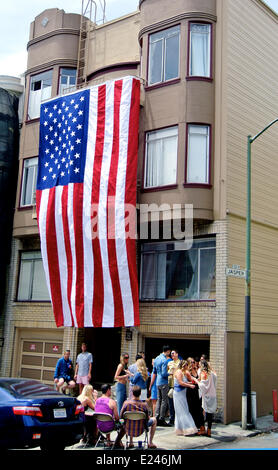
x,y
141,378
207,390
121,376
88,397
184,423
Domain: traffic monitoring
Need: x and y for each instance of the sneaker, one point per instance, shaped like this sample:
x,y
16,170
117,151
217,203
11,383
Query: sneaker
x,y
164,423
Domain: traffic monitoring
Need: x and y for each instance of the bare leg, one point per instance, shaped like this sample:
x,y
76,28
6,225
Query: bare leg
x,y
152,431
60,384
154,405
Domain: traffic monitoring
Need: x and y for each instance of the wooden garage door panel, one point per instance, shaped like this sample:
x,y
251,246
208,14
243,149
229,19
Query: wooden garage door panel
x,y
53,348
47,375
50,361
30,373
31,360
33,346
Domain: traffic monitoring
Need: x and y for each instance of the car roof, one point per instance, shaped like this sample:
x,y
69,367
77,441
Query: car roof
x,y
26,387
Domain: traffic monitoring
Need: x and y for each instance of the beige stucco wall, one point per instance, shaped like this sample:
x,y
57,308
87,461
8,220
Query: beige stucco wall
x,y
114,42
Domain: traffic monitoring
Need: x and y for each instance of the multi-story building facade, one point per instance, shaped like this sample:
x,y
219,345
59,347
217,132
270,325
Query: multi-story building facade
x,y
208,73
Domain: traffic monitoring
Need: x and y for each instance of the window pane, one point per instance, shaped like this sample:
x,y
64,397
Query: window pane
x,y
182,275
24,280
67,80
155,62
161,157
198,155
31,255
148,277
161,276
39,290
28,187
164,55
200,50
172,58
29,182
207,274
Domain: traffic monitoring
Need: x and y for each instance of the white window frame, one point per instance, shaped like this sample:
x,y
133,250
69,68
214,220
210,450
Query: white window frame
x,y
150,137
207,156
209,71
33,163
36,97
176,32
68,87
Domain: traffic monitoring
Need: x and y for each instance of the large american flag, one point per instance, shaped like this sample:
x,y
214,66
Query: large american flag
x,y
86,186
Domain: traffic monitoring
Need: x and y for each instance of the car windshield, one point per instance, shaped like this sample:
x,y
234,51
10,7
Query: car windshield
x,y
26,388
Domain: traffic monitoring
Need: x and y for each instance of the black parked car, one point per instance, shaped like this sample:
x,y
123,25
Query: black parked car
x,y
32,414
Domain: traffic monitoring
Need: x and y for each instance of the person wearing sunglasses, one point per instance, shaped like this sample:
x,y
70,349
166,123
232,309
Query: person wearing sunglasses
x,y
121,376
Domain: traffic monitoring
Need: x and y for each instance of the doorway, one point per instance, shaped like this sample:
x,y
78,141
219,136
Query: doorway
x,y
105,345
187,347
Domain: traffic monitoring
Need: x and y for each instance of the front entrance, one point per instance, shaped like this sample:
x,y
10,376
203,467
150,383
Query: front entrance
x,y
105,345
187,347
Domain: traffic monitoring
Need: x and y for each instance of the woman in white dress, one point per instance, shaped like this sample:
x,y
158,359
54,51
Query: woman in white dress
x,y
184,422
207,391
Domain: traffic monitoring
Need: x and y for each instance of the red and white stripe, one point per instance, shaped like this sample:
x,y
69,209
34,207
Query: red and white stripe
x,y
93,280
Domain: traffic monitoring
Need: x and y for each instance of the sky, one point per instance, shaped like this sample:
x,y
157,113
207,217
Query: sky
x,y
20,13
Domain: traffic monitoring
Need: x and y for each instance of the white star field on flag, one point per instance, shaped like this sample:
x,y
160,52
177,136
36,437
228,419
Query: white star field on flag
x,y
63,140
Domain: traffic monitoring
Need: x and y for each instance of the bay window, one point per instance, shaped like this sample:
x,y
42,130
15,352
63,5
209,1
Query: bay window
x,y
199,50
169,272
161,157
198,154
164,54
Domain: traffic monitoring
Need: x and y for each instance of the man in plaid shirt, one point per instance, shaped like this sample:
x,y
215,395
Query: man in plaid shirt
x,y
136,428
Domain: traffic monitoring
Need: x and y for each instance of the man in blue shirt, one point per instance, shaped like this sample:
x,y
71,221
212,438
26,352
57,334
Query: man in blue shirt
x,y
63,373
160,372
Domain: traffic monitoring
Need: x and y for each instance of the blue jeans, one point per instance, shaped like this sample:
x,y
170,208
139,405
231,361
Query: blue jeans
x,y
171,409
120,395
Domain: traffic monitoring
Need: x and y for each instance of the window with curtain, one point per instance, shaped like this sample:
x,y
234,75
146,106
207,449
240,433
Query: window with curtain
x,y
40,90
164,54
168,272
200,50
32,283
67,80
198,152
29,182
161,157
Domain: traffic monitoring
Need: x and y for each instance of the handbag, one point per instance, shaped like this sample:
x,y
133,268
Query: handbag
x,y
171,393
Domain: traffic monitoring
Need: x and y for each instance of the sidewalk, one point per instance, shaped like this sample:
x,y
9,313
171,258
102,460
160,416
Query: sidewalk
x,y
165,438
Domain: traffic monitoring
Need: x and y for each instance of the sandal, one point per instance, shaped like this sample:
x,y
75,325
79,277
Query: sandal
x,y
152,446
131,446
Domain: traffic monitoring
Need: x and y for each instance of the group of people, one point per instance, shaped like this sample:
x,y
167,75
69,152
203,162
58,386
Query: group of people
x,y
67,378
183,389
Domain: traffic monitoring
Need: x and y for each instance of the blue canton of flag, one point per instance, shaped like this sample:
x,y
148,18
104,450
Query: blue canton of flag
x,y
63,140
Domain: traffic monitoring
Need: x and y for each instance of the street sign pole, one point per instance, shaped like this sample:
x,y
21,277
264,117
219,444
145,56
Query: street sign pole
x,y
247,359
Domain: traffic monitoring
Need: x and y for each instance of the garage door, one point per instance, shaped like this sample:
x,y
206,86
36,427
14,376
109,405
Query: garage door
x,y
39,358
